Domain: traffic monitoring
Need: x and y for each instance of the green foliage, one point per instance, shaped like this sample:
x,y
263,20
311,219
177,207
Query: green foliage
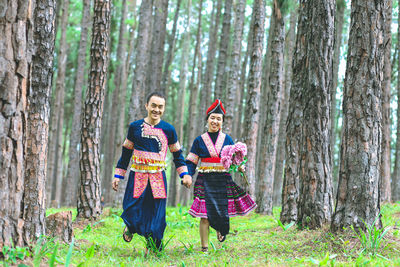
x,y
371,238
285,227
11,254
327,260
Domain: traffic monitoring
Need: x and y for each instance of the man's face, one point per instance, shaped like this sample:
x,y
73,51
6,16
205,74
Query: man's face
x,y
155,108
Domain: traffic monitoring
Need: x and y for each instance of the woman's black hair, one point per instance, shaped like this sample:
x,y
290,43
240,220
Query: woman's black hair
x,y
158,94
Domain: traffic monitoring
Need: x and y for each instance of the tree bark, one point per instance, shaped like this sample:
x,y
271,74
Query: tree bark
x,y
313,78
254,90
386,95
89,194
70,192
280,154
270,132
156,60
234,72
396,171
220,81
34,212
139,77
358,196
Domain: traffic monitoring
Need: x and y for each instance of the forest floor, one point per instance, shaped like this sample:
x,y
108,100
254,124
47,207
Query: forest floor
x,y
255,240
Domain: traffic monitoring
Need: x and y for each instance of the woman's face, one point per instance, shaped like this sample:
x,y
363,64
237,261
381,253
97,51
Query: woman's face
x,y
214,122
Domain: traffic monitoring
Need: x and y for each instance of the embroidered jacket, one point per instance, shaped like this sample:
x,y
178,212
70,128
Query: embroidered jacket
x,y
147,146
207,155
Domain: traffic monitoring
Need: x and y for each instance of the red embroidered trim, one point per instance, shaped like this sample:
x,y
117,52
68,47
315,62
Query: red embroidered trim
x,y
119,171
211,160
128,144
175,147
193,158
158,134
140,183
182,169
214,150
156,184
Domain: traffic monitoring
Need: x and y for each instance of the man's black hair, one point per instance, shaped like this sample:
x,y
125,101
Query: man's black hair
x,y
158,94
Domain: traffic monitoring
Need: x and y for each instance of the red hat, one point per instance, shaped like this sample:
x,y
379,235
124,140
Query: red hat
x,y
216,107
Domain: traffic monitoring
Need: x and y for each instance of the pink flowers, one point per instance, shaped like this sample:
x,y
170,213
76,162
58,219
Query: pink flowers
x,y
233,155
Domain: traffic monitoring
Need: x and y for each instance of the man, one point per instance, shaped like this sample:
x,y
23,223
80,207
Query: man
x,y
146,191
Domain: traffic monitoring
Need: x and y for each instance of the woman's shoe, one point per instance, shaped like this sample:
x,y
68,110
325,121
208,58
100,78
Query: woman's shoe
x,y
204,249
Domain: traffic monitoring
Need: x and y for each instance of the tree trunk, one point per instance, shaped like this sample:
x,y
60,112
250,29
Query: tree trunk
x,y
166,76
70,192
254,90
396,171
34,212
141,62
155,63
358,196
57,113
209,71
273,113
220,81
386,95
59,225
280,154
339,19
313,77
89,194
234,72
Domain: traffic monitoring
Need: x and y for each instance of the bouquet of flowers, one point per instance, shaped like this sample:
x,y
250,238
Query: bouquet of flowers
x,y
233,157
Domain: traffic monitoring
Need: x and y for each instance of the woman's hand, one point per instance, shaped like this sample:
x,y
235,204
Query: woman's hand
x,y
115,184
187,180
242,168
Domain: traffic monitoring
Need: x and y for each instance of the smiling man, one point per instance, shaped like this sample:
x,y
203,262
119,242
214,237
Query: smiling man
x,y
145,196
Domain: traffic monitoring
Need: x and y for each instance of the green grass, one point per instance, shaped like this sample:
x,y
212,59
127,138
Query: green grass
x,y
254,240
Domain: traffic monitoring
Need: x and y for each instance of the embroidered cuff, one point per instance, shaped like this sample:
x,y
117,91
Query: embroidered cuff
x,y
193,158
119,173
182,170
183,174
175,147
128,144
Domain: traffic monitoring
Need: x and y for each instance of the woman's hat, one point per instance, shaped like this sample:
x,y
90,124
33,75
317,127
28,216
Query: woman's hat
x,y
216,107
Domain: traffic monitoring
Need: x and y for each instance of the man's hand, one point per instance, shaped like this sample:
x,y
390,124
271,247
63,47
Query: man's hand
x,y
115,184
187,180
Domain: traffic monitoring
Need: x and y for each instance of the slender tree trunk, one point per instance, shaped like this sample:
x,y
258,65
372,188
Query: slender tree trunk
x,y
280,156
254,90
339,19
396,172
166,76
386,94
155,63
89,193
70,191
270,133
209,71
358,196
313,77
56,121
234,78
34,212
139,76
220,81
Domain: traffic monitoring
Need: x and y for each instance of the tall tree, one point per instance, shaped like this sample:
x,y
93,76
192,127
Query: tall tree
x,y
234,71
166,76
156,59
139,75
386,95
358,196
89,192
57,112
270,132
252,108
34,212
212,48
396,171
120,71
70,188
312,77
220,80
280,154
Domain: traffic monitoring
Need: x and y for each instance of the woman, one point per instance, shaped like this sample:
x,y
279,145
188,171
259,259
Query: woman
x,y
216,196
